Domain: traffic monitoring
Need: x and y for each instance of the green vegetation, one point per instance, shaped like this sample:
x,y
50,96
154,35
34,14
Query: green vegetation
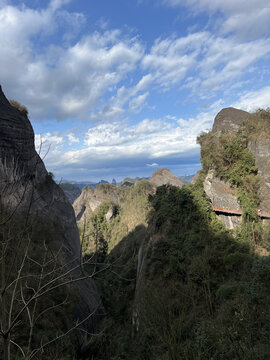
x,y
131,211
178,285
258,125
175,284
202,293
229,157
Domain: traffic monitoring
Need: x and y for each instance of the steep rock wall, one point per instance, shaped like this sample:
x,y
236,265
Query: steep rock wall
x,y
90,199
222,194
261,152
27,188
231,119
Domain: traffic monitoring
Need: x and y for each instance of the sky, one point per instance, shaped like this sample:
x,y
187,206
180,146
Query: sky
x,y
120,88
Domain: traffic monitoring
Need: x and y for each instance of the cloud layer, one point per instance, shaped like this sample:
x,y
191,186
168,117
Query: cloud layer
x,y
142,103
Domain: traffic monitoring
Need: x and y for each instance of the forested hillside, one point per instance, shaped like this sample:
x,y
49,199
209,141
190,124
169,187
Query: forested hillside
x,y
177,284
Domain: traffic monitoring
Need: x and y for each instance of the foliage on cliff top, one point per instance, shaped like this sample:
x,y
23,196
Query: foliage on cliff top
x,y
257,126
23,109
229,157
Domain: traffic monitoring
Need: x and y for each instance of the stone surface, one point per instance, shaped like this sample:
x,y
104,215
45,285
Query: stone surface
x,y
90,199
261,151
229,119
164,177
26,186
222,194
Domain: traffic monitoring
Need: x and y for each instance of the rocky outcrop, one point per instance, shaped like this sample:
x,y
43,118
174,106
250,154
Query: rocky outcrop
x,y
229,119
261,152
222,194
164,177
27,190
90,199
219,193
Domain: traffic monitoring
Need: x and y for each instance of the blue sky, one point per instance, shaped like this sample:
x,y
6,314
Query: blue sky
x,y
120,88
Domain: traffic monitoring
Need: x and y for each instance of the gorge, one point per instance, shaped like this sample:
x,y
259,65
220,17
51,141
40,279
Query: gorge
x,y
149,271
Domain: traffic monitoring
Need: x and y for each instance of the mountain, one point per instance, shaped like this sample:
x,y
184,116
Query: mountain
x,y
164,177
186,179
91,199
181,285
38,228
235,157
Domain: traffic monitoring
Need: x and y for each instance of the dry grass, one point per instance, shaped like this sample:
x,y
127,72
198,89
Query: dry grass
x,y
257,126
18,106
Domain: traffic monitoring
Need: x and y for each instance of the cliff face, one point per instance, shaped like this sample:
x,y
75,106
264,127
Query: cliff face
x,y
28,190
222,194
261,152
90,199
229,119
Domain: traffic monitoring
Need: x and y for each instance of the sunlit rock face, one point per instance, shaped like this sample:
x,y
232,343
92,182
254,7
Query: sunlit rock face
x,y
26,187
90,199
229,119
164,177
220,193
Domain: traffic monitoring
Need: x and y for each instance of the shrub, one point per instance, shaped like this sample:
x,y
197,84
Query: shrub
x,y
23,109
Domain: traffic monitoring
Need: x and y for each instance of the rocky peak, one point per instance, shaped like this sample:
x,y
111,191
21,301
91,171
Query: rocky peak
x,y
229,119
164,177
16,132
90,199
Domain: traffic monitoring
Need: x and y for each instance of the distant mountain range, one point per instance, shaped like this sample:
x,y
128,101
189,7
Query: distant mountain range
x,y
186,179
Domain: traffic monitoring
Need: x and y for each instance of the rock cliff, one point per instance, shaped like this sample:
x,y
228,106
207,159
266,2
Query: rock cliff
x,y
90,199
261,152
27,190
229,119
221,193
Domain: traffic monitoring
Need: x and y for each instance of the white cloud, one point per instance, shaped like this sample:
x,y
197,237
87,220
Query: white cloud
x,y
248,19
60,81
72,139
170,59
253,100
138,103
152,165
148,142
202,62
